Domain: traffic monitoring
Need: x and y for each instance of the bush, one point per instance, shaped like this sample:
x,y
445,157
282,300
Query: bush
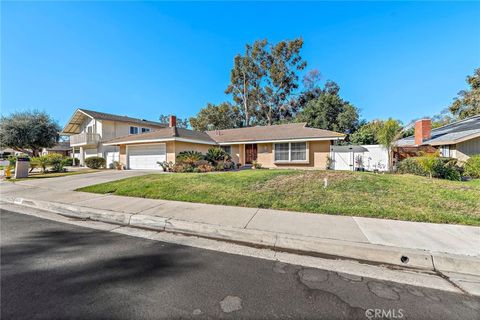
x,y
183,167
40,162
167,166
216,154
445,168
442,168
472,167
189,157
56,161
69,161
95,162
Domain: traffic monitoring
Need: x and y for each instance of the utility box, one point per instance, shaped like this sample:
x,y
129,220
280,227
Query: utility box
x,y
21,167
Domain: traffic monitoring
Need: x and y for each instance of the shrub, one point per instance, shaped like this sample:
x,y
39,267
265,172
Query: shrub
x,y
256,165
216,154
95,162
472,167
183,167
56,161
429,161
189,157
224,165
40,162
442,168
205,167
445,168
411,165
69,161
167,166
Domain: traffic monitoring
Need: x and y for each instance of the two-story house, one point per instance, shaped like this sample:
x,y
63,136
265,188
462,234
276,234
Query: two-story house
x,y
89,129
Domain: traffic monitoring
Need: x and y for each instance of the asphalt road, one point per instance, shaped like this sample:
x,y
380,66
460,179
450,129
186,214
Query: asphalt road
x,y
54,270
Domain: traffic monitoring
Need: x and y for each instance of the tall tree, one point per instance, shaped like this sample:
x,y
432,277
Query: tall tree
x,y
244,83
28,131
467,103
330,112
181,123
390,132
217,117
367,133
279,65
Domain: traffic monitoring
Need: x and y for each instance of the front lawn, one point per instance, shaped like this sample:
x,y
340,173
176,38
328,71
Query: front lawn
x,y
402,197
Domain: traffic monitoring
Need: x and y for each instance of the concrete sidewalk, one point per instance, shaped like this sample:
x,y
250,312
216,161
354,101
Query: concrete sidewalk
x,y
422,245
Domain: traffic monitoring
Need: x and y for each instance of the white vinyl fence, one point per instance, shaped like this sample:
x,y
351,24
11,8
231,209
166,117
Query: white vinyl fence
x,y
364,157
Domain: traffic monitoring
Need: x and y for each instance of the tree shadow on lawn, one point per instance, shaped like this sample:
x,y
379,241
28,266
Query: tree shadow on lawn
x,y
85,274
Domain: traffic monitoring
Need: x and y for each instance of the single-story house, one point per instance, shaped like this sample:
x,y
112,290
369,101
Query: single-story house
x,y
62,147
458,140
291,145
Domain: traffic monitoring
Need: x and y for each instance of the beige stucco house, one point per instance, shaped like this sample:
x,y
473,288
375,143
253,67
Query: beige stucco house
x,y
279,146
141,144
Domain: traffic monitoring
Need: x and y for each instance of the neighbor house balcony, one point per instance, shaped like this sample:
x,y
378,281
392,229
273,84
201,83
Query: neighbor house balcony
x,y
84,139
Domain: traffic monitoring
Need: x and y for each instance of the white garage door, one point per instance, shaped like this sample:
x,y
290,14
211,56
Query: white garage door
x,y
146,156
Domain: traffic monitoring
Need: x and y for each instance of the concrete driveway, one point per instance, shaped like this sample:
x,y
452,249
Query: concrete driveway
x,y
82,180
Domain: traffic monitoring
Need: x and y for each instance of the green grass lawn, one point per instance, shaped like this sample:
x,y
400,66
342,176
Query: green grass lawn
x,y
402,197
53,174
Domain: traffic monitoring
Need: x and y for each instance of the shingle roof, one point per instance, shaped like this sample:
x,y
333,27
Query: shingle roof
x,y
449,134
114,117
60,146
164,133
288,131
281,132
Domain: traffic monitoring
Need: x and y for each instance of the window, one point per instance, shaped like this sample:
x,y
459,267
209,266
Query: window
x,y
133,130
281,151
227,149
145,130
291,152
445,151
298,151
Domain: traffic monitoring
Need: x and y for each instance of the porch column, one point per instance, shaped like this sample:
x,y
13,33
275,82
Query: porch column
x,y
81,157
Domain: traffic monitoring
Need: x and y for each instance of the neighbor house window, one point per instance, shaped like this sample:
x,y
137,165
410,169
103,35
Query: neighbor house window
x,y
291,152
445,151
133,130
227,149
145,130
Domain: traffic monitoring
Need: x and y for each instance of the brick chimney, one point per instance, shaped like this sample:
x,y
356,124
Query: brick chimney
x,y
173,121
423,130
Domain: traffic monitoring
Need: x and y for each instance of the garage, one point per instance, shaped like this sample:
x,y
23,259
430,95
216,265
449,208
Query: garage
x,y
146,156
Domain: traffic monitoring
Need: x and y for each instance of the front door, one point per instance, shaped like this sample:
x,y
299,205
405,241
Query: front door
x,y
250,153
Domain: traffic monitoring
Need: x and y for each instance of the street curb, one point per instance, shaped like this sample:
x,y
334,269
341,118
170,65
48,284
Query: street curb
x,y
310,246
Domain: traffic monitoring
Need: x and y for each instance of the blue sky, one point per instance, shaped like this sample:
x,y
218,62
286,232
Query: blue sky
x,y
391,59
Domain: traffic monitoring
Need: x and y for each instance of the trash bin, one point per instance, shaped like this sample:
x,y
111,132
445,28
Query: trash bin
x,y
21,167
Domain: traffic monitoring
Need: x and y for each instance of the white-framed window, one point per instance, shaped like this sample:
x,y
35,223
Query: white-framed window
x,y
290,152
298,151
227,149
445,151
133,130
282,151
145,130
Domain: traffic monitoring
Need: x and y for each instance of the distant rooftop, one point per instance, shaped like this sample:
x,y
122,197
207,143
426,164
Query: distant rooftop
x,y
449,134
